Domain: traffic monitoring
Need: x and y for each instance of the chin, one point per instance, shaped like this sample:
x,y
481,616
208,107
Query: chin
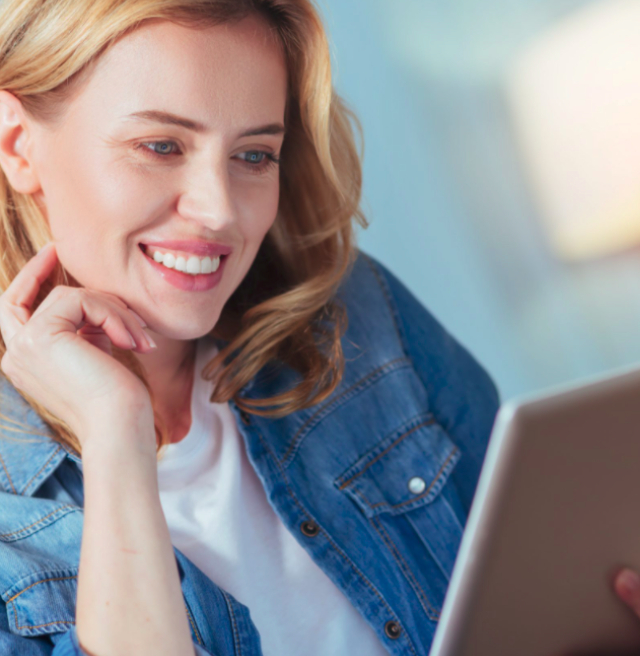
x,y
185,332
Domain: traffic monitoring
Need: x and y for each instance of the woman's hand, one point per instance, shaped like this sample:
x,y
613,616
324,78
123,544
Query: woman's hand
x,y
626,585
61,355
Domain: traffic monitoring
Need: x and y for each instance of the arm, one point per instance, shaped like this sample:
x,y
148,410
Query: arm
x,y
66,645
129,598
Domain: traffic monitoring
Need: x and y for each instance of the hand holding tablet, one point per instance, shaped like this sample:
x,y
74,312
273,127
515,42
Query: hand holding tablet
x,y
627,586
553,534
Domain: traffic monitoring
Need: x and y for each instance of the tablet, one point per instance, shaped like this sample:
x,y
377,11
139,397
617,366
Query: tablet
x,y
555,514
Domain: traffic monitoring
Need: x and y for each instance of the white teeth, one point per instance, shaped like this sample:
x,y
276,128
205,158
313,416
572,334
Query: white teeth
x,y
194,265
206,265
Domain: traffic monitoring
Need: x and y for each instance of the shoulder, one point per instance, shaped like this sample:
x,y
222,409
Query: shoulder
x,y
385,316
381,306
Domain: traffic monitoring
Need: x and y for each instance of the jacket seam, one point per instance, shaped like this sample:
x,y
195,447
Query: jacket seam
x,y
24,528
41,468
39,626
55,578
193,624
429,610
391,446
7,474
327,409
236,636
331,542
387,296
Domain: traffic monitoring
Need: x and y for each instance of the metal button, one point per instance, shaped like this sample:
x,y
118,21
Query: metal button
x,y
310,529
392,629
417,485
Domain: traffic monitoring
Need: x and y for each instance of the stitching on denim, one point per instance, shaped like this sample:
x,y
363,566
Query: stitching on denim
x,y
435,556
343,396
41,468
38,626
7,473
402,437
424,494
331,542
24,528
58,578
453,513
387,296
236,635
430,611
193,624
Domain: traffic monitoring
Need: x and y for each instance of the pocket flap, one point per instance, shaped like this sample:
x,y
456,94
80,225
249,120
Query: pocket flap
x,y
407,469
43,602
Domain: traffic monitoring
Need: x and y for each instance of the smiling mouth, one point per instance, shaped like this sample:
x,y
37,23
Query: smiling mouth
x,y
184,262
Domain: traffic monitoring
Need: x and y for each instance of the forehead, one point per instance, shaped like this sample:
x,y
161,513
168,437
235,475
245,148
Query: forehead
x,y
231,73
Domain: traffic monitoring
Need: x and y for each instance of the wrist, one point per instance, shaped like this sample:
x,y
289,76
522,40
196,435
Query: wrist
x,y
125,434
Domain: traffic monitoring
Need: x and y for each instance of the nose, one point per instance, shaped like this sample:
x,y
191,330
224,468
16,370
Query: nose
x,y
207,197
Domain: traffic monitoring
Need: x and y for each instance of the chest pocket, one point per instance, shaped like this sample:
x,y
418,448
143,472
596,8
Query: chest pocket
x,y
400,486
42,603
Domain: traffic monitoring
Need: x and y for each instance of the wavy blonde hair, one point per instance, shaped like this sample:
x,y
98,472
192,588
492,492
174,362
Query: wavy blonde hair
x,y
285,309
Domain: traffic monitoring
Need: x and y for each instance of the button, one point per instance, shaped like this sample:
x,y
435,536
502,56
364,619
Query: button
x,y
245,416
392,629
310,529
417,485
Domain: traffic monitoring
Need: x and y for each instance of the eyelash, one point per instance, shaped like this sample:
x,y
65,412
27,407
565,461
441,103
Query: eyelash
x,y
269,160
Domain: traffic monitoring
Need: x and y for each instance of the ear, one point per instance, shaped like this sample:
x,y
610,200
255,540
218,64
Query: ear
x,y
14,145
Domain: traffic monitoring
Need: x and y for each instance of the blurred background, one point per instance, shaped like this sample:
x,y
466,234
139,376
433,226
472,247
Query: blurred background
x,y
502,172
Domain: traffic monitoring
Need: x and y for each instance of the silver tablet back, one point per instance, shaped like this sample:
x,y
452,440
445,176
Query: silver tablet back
x,y
556,511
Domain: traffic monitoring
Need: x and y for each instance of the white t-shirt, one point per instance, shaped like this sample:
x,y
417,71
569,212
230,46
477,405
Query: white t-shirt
x,y
219,516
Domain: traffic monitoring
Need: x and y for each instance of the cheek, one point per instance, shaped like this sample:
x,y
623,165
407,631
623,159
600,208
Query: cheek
x,y
256,216
91,200
259,212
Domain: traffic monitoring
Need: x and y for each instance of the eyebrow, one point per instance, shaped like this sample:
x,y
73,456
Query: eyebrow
x,y
167,118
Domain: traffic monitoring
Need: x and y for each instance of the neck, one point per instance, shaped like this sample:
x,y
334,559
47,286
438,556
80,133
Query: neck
x,y
169,369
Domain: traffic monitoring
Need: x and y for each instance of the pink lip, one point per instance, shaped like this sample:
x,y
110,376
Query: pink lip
x,y
202,248
200,283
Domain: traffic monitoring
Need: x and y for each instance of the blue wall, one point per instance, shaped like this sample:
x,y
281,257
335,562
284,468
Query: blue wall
x,y
449,207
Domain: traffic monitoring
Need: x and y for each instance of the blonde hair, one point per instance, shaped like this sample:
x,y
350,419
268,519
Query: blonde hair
x,y
284,310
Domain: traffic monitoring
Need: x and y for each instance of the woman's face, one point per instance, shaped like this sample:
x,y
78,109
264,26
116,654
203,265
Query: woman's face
x,y
107,188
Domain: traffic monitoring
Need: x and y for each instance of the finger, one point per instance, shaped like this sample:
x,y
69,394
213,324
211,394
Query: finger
x,y
97,337
16,301
141,340
72,310
132,321
627,587
120,303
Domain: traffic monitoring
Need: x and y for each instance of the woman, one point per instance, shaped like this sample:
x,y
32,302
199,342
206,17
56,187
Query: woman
x,y
225,429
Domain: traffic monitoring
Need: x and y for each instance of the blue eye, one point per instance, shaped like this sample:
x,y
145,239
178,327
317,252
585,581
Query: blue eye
x,y
163,150
264,163
257,161
252,156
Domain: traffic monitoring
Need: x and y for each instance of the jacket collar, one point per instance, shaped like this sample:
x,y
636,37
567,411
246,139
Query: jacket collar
x,y
29,453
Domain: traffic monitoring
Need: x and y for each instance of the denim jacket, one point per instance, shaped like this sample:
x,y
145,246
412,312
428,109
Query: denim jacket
x,y
375,482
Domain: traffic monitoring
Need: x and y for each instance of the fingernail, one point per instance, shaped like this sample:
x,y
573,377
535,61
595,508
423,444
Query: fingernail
x,y
138,317
629,581
151,342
